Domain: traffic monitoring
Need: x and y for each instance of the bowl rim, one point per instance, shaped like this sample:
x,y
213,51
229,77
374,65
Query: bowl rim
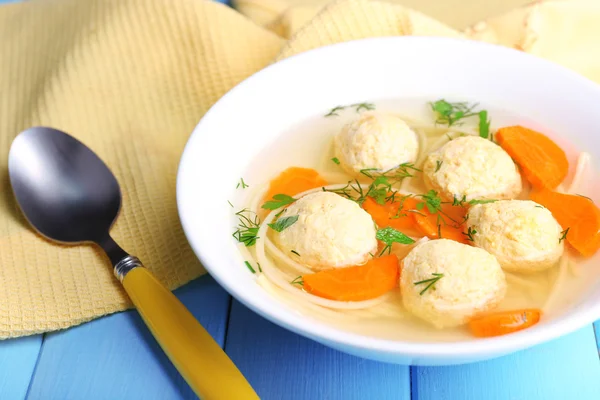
x,y
320,331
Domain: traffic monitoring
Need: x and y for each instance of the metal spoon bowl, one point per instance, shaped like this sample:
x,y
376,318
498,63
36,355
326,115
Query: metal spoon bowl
x,y
70,196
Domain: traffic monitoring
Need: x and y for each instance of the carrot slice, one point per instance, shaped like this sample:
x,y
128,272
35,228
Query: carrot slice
x,y
390,214
363,282
449,223
542,161
501,323
421,221
578,214
294,180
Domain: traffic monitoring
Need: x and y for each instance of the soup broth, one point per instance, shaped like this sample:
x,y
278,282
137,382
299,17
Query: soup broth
x,y
309,144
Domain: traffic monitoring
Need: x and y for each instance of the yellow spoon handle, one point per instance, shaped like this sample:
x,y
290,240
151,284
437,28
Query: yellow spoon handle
x,y
199,359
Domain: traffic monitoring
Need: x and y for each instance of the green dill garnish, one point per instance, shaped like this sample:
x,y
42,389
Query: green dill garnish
x,y
450,113
230,203
335,160
585,197
469,234
352,191
484,124
461,202
380,188
538,206
430,282
278,201
403,171
358,107
438,165
474,201
367,172
247,228
439,229
298,281
249,267
283,223
397,173
241,184
295,252
334,111
389,236
400,206
563,235
363,106
432,201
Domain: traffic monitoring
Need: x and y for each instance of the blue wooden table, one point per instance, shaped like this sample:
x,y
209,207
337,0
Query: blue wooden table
x,y
116,358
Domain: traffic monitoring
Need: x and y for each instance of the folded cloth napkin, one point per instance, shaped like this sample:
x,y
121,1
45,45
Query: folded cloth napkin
x,y
131,78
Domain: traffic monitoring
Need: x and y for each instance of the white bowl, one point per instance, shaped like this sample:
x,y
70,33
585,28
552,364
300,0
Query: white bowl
x,y
259,109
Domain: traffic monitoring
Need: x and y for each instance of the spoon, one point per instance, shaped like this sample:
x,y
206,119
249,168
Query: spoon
x,y
70,196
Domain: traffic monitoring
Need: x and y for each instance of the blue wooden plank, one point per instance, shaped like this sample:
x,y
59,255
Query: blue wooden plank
x,y
18,358
567,368
283,365
597,330
115,357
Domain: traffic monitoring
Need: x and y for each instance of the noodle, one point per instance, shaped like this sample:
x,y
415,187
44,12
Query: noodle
x,y
582,166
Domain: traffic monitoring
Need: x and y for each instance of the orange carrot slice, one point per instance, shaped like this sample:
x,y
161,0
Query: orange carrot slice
x,y
363,282
449,223
390,214
543,163
421,221
578,214
294,180
505,322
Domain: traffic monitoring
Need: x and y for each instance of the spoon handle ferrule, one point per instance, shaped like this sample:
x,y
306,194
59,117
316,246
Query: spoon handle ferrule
x,y
125,265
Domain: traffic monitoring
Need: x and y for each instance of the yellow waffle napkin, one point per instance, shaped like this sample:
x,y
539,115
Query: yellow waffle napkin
x,y
131,78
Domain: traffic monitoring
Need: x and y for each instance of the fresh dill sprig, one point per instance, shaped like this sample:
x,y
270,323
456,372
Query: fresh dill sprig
x,y
358,107
585,197
404,171
241,184
352,191
249,267
484,125
469,234
363,106
463,201
390,236
334,111
438,165
431,200
230,203
430,282
247,228
336,160
295,252
283,223
278,201
484,201
563,235
451,113
298,281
